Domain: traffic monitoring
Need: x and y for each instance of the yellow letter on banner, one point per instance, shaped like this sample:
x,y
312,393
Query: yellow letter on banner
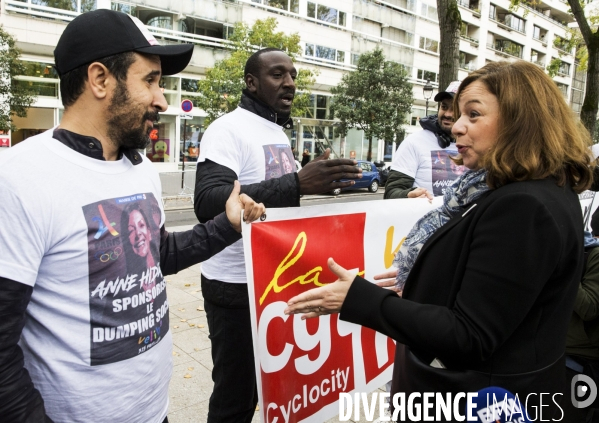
x,y
390,255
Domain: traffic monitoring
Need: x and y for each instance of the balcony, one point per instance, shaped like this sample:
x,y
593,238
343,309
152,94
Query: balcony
x,y
544,14
539,63
540,39
470,66
563,49
507,51
470,39
469,5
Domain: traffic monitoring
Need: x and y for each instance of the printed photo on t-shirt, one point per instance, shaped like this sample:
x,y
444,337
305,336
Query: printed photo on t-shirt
x,y
127,292
444,170
278,160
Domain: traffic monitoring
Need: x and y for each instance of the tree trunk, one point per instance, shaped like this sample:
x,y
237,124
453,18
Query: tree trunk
x,y
588,113
369,154
450,22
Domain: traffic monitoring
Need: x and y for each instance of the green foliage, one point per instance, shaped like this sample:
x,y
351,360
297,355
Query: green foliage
x,y
221,90
453,12
374,98
16,98
553,66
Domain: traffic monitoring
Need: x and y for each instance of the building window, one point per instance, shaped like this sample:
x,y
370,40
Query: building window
x,y
417,114
163,21
429,12
515,22
538,33
326,14
41,77
319,107
125,8
561,44
537,58
429,45
577,93
72,5
564,69
288,5
424,75
324,53
563,88
228,31
508,47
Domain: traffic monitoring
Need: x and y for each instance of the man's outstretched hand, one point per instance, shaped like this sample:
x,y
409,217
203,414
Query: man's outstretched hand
x,y
323,175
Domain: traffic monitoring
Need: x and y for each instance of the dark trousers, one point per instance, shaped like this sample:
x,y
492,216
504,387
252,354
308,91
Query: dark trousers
x,y
235,394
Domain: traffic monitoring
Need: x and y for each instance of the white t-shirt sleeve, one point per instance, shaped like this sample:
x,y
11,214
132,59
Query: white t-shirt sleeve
x,y
220,145
22,243
406,159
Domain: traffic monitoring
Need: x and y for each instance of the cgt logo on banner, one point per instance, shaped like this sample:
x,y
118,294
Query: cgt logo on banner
x,y
303,366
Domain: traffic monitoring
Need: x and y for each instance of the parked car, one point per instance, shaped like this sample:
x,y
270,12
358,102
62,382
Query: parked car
x,y
370,178
383,172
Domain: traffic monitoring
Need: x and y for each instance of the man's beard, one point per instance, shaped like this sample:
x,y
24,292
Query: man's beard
x,y
446,130
123,128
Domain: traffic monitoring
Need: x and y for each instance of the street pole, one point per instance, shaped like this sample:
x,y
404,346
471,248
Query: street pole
x,y
183,161
427,93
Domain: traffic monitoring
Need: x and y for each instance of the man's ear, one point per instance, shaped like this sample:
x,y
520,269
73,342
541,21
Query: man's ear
x,y
99,79
250,83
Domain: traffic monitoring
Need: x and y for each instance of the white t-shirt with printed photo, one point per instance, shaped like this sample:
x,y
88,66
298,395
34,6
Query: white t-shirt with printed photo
x,y
84,233
420,157
256,150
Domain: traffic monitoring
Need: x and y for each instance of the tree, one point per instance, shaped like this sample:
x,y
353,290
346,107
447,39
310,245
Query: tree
x,y
590,34
15,98
374,98
450,22
590,105
221,90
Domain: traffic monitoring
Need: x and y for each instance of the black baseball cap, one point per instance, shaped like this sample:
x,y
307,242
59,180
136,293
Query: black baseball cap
x,y
449,92
94,35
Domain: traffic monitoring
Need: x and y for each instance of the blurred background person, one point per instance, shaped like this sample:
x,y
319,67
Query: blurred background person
x,y
305,157
419,167
582,342
489,279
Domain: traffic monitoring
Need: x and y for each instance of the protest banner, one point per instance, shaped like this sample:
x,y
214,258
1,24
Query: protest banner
x,y
303,365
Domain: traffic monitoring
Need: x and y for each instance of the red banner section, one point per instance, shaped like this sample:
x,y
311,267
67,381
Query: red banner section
x,y
304,365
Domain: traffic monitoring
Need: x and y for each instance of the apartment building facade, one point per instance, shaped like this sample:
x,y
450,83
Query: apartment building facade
x,y
333,35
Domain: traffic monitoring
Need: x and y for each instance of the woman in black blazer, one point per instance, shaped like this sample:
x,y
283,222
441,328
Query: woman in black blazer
x,y
488,280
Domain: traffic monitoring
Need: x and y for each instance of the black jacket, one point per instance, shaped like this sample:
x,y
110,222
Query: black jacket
x,y
214,182
490,295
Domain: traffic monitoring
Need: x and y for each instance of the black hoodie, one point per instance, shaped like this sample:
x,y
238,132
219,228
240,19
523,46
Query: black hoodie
x,y
431,123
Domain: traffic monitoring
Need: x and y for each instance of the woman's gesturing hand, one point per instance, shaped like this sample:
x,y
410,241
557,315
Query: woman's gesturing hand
x,y
325,299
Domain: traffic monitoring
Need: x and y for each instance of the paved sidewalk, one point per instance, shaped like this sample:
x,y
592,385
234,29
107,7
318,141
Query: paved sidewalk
x,y
191,384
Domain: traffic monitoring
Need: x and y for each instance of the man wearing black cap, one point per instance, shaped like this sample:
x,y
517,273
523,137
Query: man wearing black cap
x,y
91,320
247,144
421,166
